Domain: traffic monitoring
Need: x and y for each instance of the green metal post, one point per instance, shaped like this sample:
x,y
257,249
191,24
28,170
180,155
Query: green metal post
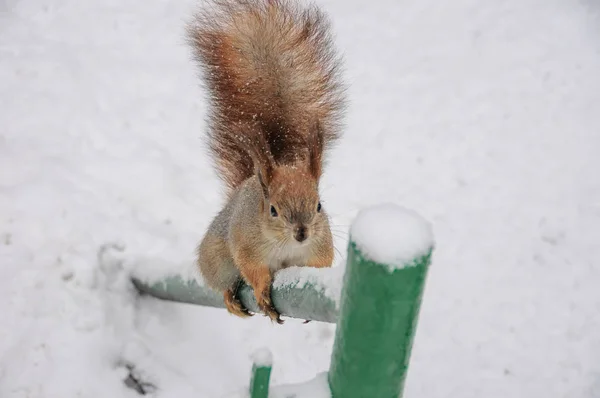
x,y
378,316
261,374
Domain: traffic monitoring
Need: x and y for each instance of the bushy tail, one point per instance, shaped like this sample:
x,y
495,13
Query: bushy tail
x,y
272,76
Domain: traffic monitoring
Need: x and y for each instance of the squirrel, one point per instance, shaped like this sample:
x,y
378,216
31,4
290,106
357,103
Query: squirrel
x,y
276,101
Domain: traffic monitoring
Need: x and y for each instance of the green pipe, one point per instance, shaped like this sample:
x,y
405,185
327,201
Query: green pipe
x,y
306,300
261,374
379,311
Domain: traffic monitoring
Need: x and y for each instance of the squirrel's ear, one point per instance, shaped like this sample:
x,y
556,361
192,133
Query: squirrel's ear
x,y
258,149
264,177
263,164
263,167
315,150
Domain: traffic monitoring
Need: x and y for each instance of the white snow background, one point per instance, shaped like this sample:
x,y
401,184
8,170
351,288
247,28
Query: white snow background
x,y
484,117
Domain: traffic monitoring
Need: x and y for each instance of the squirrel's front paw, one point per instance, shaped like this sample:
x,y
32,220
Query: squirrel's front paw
x,y
234,305
265,304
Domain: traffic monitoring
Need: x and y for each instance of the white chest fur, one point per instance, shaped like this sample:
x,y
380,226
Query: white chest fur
x,y
291,254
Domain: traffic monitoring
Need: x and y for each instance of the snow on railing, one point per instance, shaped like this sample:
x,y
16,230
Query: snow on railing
x,y
298,292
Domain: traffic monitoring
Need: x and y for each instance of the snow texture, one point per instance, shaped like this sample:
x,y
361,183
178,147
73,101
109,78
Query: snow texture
x,y
317,387
481,116
155,269
262,357
327,281
391,235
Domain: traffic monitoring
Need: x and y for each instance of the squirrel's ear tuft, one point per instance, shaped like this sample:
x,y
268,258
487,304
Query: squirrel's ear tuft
x,y
264,177
257,148
263,166
315,150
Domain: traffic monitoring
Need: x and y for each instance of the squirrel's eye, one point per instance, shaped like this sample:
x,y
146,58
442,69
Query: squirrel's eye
x,y
319,207
273,211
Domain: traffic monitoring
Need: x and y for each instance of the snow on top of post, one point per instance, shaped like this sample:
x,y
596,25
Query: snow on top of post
x,y
262,358
392,235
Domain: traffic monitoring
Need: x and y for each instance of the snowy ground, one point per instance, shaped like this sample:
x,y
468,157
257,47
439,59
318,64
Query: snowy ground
x,y
484,118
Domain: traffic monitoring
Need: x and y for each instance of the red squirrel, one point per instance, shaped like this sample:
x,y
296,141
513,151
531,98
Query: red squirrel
x,y
276,100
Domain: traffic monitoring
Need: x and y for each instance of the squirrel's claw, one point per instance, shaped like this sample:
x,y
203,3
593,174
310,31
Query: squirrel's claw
x,y
234,305
265,304
272,313
275,317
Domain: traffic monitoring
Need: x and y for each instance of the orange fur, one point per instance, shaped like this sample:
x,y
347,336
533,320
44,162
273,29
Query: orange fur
x,y
259,277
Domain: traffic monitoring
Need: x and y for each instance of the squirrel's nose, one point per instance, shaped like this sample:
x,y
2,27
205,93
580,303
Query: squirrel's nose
x,y
300,233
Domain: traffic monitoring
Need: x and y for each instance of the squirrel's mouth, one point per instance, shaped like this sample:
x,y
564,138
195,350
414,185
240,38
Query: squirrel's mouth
x,y
300,234
303,243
